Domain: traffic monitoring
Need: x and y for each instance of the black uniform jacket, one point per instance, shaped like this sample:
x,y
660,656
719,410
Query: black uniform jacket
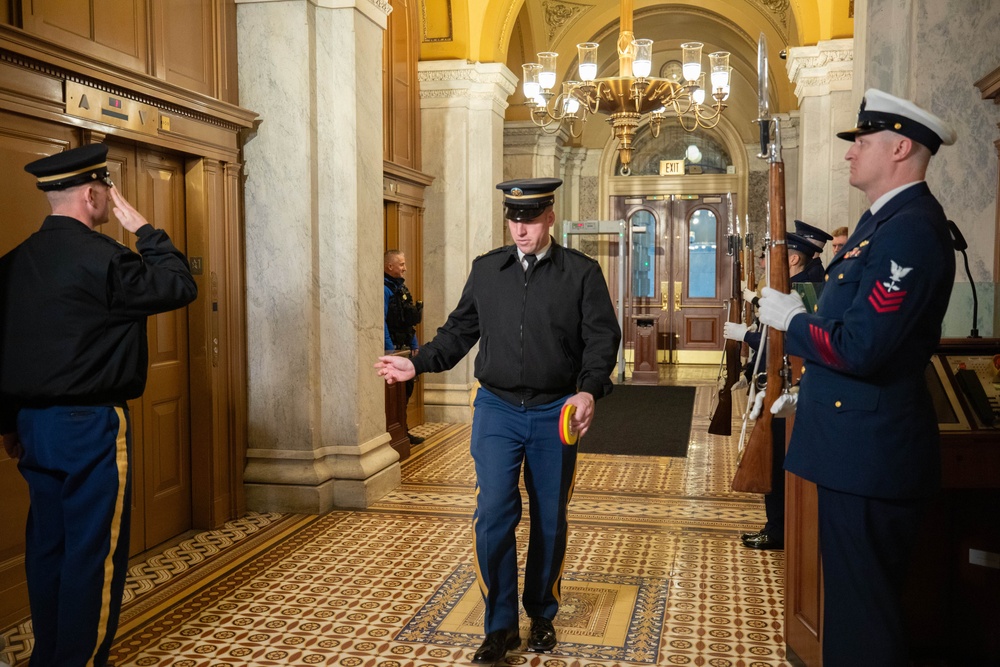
x,y
542,335
73,308
813,272
865,423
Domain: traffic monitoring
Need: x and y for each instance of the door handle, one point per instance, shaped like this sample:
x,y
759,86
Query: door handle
x,y
678,288
665,295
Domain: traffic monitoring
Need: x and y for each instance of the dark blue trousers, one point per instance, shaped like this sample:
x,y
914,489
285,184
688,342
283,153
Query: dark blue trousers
x,y
76,462
774,502
503,437
866,545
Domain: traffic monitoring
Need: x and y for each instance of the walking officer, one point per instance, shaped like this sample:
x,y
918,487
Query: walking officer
x,y
548,336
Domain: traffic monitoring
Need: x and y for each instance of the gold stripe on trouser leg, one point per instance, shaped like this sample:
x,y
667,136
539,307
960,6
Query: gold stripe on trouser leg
x,y
483,588
121,461
562,563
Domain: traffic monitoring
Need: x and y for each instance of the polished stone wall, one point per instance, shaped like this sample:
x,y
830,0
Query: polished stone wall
x,y
314,299
933,52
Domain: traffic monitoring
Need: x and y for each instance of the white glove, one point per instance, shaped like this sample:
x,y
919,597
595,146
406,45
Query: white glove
x,y
776,310
749,295
734,331
784,406
758,403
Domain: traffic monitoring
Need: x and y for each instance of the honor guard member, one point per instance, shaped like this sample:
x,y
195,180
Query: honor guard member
x,y
865,430
74,304
772,535
547,336
818,239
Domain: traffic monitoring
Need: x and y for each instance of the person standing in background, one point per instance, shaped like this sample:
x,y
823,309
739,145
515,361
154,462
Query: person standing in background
x,y
839,239
402,314
73,350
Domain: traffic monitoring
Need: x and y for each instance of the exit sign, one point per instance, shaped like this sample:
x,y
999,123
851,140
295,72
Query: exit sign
x,y
671,167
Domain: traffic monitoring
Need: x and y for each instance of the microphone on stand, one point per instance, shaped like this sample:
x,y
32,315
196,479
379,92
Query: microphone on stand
x,y
960,245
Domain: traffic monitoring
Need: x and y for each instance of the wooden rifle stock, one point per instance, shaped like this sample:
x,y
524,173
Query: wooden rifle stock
x,y
753,468
749,264
722,419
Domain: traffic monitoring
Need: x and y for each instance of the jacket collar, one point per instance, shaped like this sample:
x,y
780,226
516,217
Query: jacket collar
x,y
869,223
556,255
64,222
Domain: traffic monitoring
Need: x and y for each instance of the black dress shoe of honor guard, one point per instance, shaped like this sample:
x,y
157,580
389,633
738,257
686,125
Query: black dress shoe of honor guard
x,y
496,645
763,541
750,536
542,636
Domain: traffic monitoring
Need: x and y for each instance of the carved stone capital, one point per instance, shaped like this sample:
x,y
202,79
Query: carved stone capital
x,y
443,82
822,69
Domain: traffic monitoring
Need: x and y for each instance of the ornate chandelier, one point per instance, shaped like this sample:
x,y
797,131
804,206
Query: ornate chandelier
x,y
626,98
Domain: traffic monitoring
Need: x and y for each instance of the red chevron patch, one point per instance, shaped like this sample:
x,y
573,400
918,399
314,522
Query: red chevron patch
x,y
885,301
821,340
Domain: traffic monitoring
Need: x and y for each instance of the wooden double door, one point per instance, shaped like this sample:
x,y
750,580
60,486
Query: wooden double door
x,y
677,271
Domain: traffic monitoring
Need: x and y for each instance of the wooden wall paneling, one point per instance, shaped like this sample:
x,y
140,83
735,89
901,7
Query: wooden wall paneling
x,y
184,44
401,102
226,56
112,31
803,570
230,242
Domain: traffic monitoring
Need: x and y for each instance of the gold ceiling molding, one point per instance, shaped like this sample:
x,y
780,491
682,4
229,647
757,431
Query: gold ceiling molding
x,y
560,14
777,12
437,27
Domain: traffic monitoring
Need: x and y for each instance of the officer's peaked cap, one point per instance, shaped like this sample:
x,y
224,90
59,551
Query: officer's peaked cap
x,y
882,111
73,167
526,198
813,234
802,244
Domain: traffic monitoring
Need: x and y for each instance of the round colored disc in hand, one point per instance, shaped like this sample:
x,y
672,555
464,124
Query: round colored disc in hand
x,y
566,433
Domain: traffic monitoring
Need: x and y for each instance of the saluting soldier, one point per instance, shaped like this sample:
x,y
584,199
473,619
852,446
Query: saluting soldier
x,y
73,304
547,336
865,430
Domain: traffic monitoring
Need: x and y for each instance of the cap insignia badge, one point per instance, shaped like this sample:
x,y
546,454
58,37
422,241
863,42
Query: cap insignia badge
x,y
517,192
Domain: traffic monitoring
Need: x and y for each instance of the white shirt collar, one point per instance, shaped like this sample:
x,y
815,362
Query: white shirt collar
x,y
538,255
884,199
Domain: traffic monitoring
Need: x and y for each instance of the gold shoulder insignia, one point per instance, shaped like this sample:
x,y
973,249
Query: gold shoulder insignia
x,y
863,243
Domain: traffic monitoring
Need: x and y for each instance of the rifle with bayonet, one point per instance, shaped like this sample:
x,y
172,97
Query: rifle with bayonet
x,y
749,268
722,418
753,467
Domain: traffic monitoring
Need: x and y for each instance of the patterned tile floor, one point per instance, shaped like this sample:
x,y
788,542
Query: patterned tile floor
x,y
655,573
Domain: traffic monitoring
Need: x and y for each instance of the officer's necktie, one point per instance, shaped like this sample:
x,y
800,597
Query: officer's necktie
x,y
530,259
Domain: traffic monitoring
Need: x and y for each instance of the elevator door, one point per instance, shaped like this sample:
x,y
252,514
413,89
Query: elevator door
x,y
161,454
678,271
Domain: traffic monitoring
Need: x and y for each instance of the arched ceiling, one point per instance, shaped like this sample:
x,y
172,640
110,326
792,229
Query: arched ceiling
x,y
513,31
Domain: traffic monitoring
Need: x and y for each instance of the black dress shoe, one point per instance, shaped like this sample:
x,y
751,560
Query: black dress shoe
x,y
542,636
750,536
415,439
496,645
763,541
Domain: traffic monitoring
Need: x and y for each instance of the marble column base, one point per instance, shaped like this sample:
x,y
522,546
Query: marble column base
x,y
346,476
449,403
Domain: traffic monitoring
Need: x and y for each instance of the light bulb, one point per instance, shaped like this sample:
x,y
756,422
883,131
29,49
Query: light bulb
x,y
641,68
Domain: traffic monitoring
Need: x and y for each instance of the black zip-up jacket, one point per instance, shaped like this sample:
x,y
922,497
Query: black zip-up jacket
x,y
542,335
73,309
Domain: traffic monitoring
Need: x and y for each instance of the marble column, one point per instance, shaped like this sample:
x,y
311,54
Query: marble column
x,y
530,152
462,107
823,79
313,195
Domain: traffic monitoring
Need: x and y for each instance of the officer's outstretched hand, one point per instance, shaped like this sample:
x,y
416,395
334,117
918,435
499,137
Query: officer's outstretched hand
x,y
395,369
584,402
777,309
12,445
126,214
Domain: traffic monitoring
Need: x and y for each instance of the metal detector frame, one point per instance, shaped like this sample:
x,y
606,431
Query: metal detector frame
x,y
581,227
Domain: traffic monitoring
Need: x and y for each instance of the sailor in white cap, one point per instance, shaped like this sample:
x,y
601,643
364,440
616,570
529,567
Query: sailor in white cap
x,y
865,429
